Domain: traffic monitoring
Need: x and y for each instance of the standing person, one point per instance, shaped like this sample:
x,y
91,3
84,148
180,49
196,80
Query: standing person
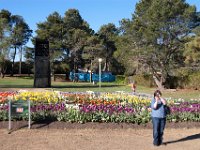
x,y
133,87
158,117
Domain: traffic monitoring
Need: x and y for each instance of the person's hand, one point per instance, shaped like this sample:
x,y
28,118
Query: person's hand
x,y
157,99
163,101
156,102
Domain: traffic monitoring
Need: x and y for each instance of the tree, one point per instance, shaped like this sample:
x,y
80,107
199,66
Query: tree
x,y
192,47
29,56
67,36
19,35
108,34
126,49
192,52
5,17
51,30
158,30
92,52
76,33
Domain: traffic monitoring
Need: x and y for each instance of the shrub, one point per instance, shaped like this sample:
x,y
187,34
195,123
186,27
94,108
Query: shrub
x,y
144,80
194,80
121,79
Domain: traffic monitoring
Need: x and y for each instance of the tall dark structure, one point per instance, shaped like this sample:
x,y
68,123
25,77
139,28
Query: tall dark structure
x,y
42,75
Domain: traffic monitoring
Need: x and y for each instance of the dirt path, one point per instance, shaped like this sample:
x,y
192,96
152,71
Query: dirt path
x,y
97,139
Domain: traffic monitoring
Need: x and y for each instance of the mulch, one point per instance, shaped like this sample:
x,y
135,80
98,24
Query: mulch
x,y
92,125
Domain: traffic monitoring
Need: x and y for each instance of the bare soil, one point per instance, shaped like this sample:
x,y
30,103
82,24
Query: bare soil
x,y
96,136
92,125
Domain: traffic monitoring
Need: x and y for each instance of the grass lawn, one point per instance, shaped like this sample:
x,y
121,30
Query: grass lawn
x,y
16,83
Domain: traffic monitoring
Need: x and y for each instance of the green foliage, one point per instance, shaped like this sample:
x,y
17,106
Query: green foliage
x,y
125,54
3,115
43,116
144,80
61,68
186,78
120,79
20,31
194,80
72,115
14,33
67,35
154,37
76,34
183,117
5,16
108,34
51,30
192,52
75,116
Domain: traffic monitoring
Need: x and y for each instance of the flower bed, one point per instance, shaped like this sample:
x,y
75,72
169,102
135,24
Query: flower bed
x,y
5,95
101,107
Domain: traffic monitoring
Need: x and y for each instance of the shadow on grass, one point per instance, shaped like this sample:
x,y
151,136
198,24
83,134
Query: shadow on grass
x,y
61,86
16,86
191,137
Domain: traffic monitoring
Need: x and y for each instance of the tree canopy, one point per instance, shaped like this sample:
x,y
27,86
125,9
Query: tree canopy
x,y
157,35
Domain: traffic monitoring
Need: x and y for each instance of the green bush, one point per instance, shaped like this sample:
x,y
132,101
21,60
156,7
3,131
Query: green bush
x,y
3,115
186,78
121,79
144,80
194,81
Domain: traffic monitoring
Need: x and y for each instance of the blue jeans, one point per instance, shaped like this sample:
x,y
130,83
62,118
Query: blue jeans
x,y
158,129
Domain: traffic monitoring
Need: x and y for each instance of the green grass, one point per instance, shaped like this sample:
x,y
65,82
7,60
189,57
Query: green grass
x,y
16,83
21,82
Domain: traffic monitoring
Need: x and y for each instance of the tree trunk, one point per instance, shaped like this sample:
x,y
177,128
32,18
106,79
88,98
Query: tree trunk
x,y
91,71
108,66
1,74
13,61
29,70
105,68
158,82
53,72
20,61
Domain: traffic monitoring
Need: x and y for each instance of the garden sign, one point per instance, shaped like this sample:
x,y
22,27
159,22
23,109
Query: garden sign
x,y
19,108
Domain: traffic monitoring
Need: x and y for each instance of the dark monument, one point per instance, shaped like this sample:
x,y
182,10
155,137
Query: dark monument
x,y
42,75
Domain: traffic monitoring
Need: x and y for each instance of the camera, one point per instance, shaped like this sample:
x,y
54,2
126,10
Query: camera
x,y
158,94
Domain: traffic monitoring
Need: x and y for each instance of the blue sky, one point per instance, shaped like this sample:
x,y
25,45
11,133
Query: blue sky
x,y
95,12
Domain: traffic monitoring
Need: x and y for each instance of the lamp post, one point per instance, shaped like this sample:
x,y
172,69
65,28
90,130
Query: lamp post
x,y
100,60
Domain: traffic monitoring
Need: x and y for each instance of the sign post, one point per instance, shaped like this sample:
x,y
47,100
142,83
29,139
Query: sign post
x,y
17,109
9,114
29,114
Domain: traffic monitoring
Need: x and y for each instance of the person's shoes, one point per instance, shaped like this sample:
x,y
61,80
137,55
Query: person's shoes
x,y
156,144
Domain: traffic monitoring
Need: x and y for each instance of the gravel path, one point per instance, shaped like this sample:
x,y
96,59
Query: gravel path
x,y
97,139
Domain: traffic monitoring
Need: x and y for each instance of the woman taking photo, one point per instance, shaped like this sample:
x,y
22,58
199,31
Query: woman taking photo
x,y
158,117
